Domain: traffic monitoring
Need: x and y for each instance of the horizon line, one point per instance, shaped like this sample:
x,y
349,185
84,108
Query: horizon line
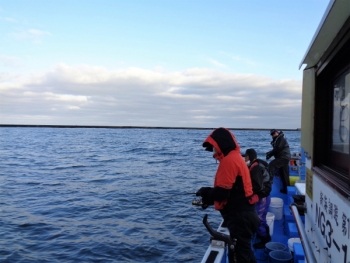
x,y
132,127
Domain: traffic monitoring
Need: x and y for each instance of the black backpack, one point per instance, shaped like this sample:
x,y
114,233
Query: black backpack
x,y
266,181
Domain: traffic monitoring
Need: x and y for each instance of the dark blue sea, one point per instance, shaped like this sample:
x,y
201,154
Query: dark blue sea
x,y
108,195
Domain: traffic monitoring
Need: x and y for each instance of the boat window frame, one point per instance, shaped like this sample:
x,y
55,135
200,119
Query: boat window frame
x,y
335,165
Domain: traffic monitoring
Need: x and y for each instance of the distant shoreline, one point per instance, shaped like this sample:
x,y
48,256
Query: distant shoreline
x,y
131,127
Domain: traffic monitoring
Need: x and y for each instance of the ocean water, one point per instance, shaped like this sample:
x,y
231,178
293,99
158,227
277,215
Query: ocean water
x,y
108,195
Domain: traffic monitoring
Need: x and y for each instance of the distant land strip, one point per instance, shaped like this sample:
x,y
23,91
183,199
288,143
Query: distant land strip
x,y
133,127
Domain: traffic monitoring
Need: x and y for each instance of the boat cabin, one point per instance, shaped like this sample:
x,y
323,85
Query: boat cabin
x,y
325,133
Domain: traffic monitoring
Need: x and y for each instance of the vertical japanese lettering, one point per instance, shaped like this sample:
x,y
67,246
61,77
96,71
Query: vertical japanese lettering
x,y
336,214
330,209
325,204
344,224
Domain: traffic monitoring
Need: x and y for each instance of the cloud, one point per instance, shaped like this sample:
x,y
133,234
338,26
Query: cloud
x,y
8,19
36,32
216,63
74,108
246,61
10,61
87,95
33,35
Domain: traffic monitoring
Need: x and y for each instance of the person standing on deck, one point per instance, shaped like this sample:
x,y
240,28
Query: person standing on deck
x,y
281,152
232,193
262,187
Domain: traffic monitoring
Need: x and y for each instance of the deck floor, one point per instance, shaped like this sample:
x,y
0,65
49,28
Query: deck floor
x,y
280,234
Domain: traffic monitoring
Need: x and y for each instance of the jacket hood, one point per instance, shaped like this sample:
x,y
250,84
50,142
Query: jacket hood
x,y
223,141
251,153
280,134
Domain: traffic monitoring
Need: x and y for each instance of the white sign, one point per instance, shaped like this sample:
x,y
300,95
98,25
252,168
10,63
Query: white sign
x,y
332,217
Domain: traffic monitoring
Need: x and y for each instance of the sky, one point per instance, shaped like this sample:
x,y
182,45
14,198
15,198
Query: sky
x,y
168,63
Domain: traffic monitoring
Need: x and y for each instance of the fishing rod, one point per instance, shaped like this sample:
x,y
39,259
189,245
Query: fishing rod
x,y
196,201
190,193
173,195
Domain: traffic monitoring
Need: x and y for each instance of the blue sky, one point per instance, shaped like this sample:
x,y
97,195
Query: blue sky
x,y
172,63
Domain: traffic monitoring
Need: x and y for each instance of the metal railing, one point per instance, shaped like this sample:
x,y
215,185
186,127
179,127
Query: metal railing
x,y
301,229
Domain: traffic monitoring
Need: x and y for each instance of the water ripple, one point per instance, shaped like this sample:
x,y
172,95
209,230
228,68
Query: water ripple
x,y
107,195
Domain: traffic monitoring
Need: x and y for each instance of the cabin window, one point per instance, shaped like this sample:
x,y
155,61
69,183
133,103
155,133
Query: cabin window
x,y
332,117
331,131
341,118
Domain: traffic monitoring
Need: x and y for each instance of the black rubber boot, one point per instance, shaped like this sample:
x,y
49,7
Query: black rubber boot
x,y
263,240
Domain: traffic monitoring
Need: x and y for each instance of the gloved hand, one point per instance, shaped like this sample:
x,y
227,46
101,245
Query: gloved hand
x,y
253,199
206,202
203,191
268,155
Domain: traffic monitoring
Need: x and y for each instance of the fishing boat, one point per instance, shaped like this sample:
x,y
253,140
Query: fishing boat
x,y
317,229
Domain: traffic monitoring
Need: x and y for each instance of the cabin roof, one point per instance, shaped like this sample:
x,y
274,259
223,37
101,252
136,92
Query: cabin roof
x,y
336,14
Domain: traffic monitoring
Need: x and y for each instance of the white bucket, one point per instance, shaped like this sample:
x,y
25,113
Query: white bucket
x,y
270,218
276,207
291,241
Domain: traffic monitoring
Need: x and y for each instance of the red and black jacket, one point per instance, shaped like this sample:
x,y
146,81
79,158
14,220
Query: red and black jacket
x,y
232,189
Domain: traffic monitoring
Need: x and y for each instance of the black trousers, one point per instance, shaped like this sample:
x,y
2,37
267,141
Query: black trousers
x,y
242,226
283,165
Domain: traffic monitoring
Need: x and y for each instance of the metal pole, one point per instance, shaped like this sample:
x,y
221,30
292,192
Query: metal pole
x,y
306,246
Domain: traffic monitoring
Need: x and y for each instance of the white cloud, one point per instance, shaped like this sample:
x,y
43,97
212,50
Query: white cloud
x,y
74,108
9,19
216,63
36,32
244,60
34,35
65,97
86,95
10,61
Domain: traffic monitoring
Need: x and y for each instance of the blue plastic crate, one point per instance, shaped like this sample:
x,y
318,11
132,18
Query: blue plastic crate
x,y
291,190
298,252
292,230
287,214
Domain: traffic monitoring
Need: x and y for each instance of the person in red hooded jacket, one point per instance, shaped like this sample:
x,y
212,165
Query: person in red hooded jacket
x,y
232,193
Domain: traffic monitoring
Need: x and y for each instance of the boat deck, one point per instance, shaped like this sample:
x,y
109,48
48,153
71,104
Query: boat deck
x,y
285,228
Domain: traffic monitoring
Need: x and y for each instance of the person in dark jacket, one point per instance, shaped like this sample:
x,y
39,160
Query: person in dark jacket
x,y
232,193
262,189
281,152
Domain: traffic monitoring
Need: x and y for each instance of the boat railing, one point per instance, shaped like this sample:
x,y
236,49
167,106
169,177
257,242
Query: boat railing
x,y
300,226
220,241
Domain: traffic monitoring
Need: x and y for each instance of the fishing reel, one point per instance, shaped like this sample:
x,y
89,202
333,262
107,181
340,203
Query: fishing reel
x,y
197,201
